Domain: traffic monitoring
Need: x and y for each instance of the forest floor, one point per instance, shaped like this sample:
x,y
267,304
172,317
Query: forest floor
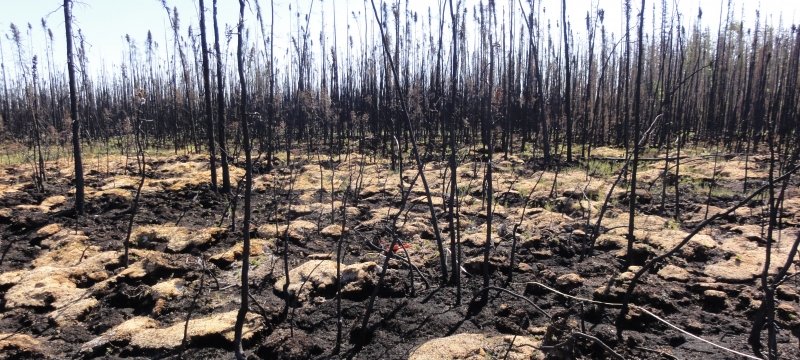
x,y
66,293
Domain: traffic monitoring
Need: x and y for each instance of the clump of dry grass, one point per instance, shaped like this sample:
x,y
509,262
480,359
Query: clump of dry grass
x,y
20,342
748,257
53,281
120,333
143,332
608,152
477,346
733,169
178,238
257,247
129,182
176,175
296,230
318,277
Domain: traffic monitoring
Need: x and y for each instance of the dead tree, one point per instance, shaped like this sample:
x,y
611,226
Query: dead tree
x,y
567,80
637,100
73,105
455,246
488,125
248,188
207,98
223,148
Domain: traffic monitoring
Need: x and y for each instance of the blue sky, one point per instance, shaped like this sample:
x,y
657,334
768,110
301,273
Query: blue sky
x,y
104,23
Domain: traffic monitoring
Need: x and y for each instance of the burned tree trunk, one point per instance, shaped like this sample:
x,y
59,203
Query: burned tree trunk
x,y
73,105
248,186
567,81
223,148
637,100
207,98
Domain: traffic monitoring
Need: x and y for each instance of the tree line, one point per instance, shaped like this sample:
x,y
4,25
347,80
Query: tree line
x,y
552,96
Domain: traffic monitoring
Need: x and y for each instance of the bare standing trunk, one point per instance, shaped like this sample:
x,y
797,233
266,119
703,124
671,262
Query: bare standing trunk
x,y
40,175
488,125
207,98
567,89
73,105
534,62
248,185
637,99
455,247
141,141
271,79
271,107
223,148
5,86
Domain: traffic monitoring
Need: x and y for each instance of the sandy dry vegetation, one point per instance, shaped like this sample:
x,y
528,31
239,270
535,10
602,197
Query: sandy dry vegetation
x,y
65,290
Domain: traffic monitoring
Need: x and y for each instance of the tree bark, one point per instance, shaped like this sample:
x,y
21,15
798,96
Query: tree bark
x,y
223,148
73,106
567,80
248,185
207,98
637,99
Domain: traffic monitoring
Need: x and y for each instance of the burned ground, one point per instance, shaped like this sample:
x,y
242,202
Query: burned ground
x,y
65,292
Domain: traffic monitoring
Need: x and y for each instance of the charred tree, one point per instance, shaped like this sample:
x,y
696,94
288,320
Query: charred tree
x,y
73,105
221,139
248,186
207,98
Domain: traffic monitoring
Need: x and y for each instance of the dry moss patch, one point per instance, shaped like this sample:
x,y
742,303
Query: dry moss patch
x,y
54,202
148,263
733,169
747,258
215,328
19,342
332,231
318,277
169,289
128,182
540,219
39,288
296,230
73,312
119,195
609,152
672,272
48,205
478,346
120,333
618,223
47,231
668,239
477,237
178,175
53,282
9,189
5,214
225,258
178,238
